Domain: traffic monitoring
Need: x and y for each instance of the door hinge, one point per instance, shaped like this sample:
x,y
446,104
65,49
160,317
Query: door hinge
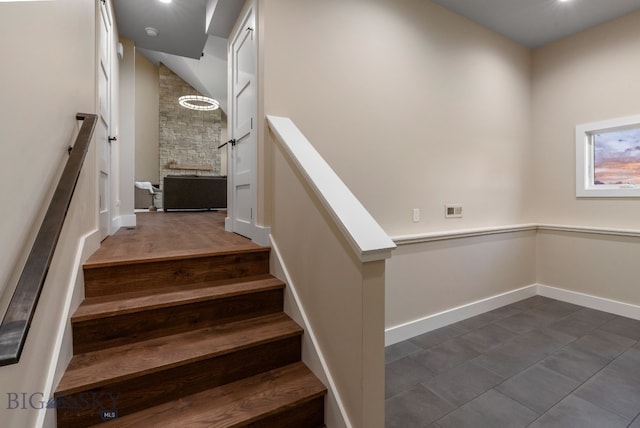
x,y
251,213
251,123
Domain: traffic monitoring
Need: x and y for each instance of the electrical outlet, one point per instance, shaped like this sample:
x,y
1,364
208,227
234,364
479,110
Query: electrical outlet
x,y
453,211
416,215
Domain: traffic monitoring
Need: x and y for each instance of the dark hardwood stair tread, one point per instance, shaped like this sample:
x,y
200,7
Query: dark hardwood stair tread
x,y
235,404
120,304
100,368
96,263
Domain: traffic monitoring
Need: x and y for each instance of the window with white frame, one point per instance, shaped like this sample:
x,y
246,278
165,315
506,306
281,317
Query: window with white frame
x,y
608,158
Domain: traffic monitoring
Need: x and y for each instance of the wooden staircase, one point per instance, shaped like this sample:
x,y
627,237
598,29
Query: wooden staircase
x,y
189,341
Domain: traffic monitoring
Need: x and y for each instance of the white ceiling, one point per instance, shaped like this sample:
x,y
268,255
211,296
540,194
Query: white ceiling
x,y
192,33
534,23
191,40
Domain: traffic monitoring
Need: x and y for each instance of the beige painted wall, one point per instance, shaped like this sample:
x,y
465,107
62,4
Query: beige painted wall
x,y
34,140
597,265
412,105
426,278
588,77
48,53
147,120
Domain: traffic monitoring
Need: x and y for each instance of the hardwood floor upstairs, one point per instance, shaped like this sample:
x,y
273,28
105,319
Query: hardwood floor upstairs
x,y
182,326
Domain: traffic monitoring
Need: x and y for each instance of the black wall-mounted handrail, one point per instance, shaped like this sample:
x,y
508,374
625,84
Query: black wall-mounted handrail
x,y
17,320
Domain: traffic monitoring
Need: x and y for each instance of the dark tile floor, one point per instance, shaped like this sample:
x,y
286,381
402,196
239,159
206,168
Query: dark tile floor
x,y
535,363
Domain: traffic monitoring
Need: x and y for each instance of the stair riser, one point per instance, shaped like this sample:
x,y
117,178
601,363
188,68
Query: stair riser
x,y
145,391
102,333
308,415
126,278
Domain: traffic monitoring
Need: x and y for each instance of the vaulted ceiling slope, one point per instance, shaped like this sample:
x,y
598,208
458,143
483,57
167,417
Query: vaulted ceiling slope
x,y
191,37
533,23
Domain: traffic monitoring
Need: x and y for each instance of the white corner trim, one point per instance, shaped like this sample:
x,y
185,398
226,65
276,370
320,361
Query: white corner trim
x,y
128,221
87,245
308,330
594,302
262,235
463,233
363,233
420,326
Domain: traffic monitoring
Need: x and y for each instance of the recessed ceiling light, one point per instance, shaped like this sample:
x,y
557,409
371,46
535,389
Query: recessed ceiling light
x,y
151,32
164,1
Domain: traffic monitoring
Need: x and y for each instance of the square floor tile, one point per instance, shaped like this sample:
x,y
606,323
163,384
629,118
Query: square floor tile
x,y
628,364
524,322
487,337
604,343
476,322
522,352
538,388
404,374
417,407
463,383
399,350
575,363
508,359
505,311
614,391
555,309
593,316
446,355
574,326
490,410
574,412
530,303
436,337
624,327
544,340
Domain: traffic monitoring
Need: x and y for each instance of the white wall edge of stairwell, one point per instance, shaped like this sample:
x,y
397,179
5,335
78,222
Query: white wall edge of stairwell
x,y
87,245
364,234
301,317
589,301
429,323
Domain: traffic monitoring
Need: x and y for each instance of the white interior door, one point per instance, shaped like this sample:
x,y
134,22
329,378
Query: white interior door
x,y
243,152
104,120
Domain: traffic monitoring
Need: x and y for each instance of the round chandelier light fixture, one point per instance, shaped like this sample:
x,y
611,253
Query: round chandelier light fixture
x,y
198,102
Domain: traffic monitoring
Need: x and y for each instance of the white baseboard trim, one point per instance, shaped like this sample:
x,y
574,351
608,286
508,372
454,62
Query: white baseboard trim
x,y
87,245
262,235
280,269
128,221
594,302
420,326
